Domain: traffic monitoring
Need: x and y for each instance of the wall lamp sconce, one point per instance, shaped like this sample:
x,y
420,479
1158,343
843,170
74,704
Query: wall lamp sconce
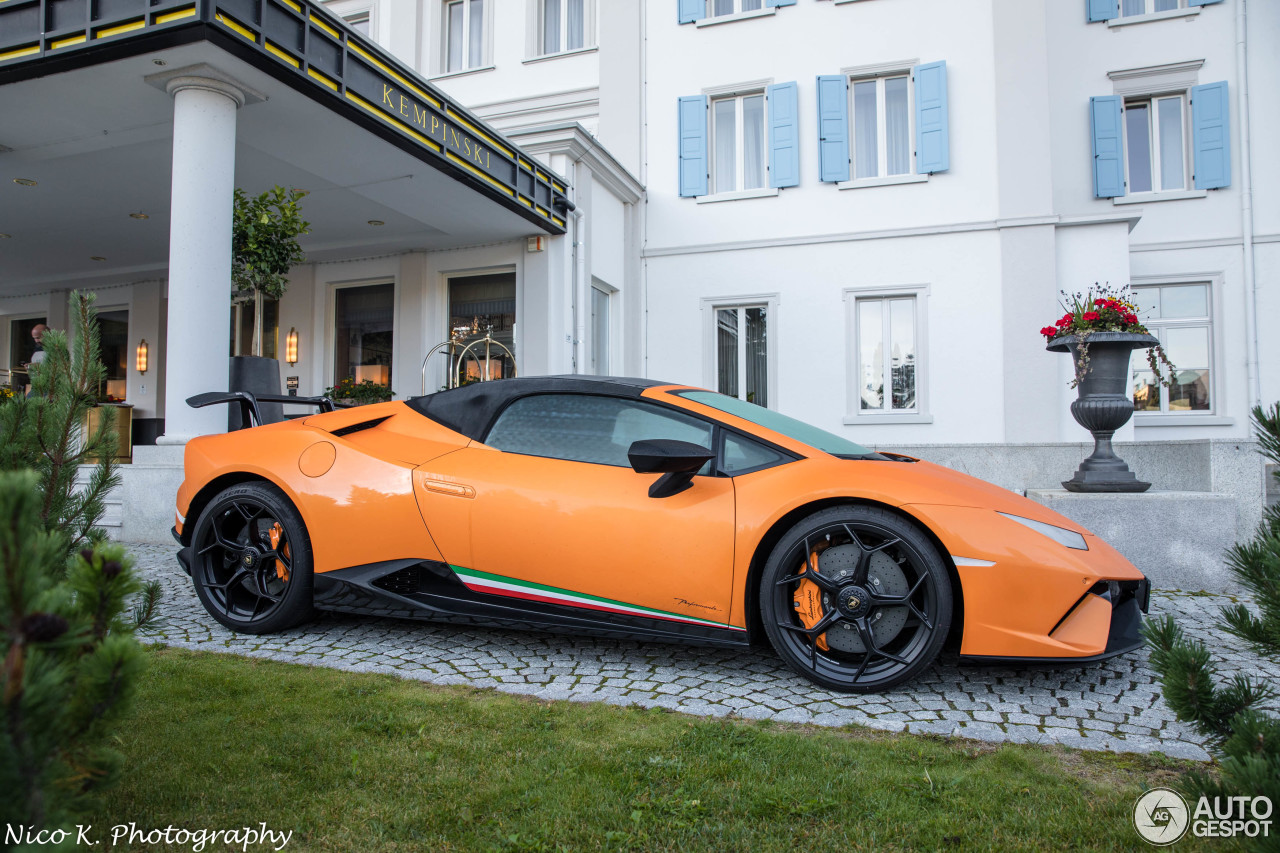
x,y
142,357
291,346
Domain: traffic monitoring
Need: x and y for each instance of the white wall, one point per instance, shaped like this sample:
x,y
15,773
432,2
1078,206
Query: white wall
x,y
809,325
1012,223
799,43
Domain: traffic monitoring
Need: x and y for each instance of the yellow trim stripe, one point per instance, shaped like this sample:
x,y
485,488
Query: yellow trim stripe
x,y
323,79
67,42
557,220
122,28
396,123
558,188
477,131
324,26
292,5
523,163
22,51
176,16
271,48
464,164
382,66
525,202
541,176
541,210
233,25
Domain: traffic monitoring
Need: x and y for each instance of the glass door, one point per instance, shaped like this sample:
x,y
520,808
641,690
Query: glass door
x,y
481,305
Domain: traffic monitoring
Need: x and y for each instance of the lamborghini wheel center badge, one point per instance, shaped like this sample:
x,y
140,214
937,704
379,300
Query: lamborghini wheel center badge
x,y
852,601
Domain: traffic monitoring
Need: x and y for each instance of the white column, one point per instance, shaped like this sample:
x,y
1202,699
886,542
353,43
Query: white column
x,y
204,154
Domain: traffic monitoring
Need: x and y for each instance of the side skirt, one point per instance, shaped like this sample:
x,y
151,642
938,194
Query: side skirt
x,y
414,589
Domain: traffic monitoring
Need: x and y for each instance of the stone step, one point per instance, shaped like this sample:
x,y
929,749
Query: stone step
x,y
113,517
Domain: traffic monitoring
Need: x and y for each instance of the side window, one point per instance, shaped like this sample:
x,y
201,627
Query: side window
x,y
584,428
742,455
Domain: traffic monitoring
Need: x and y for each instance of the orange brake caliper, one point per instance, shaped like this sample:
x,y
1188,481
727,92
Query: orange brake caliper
x,y
808,600
275,533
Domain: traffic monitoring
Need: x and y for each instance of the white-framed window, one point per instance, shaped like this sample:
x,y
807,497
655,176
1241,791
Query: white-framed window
x,y
601,340
717,8
1130,8
562,25
880,123
1181,316
1156,131
739,149
886,352
465,27
359,15
741,360
358,21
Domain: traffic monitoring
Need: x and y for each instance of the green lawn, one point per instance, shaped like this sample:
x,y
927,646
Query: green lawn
x,y
369,762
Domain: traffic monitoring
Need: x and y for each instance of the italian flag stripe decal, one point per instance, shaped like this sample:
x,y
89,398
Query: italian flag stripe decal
x,y
478,581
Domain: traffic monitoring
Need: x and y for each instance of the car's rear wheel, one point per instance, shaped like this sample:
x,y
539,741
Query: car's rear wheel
x,y
856,598
252,566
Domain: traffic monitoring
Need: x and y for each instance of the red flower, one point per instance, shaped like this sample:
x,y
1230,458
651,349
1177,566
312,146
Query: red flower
x,y
1063,322
1091,316
1049,331
1099,302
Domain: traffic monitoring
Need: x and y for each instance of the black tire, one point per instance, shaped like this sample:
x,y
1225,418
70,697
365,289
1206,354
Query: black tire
x,y
246,582
894,581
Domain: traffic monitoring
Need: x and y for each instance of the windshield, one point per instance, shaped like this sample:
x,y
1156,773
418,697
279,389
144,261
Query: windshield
x,y
790,427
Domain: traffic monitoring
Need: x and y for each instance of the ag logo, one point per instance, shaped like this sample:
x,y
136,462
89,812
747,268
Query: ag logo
x,y
1161,816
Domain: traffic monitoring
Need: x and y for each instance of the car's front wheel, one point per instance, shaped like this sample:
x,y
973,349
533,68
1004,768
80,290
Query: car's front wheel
x,y
856,598
252,566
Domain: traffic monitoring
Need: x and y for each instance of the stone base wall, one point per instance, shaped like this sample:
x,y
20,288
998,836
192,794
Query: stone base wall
x,y
1220,466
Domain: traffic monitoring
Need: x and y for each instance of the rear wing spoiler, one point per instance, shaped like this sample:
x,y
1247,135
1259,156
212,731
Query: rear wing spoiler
x,y
250,411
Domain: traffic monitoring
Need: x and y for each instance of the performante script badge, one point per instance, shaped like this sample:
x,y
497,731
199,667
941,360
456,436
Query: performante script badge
x,y
1161,816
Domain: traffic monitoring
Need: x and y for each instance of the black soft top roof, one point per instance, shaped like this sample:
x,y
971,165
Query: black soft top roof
x,y
471,409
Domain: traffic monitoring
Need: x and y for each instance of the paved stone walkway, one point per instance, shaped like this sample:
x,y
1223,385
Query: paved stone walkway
x,y
1111,706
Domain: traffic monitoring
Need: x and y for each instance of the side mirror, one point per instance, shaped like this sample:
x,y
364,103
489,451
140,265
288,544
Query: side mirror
x,y
677,461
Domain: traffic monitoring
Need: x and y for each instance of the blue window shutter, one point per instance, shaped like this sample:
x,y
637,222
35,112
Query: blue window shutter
x,y
833,127
1108,146
933,146
789,2
693,146
1102,10
784,135
691,10
1211,135
1204,2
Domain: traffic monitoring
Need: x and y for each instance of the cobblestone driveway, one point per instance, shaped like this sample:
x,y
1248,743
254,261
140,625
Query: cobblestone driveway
x,y
1110,706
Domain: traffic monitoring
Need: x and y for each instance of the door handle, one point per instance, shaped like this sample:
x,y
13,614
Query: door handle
x,y
446,487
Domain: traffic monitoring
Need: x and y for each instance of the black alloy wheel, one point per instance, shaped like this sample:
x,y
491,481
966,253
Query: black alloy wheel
x,y
856,599
252,566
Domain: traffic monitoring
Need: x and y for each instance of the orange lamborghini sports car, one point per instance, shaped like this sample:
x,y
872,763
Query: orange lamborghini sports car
x,y
646,510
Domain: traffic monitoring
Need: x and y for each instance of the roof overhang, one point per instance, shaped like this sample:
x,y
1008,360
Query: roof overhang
x,y
368,138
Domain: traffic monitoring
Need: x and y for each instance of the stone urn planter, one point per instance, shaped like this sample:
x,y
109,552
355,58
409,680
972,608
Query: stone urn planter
x,y
1103,406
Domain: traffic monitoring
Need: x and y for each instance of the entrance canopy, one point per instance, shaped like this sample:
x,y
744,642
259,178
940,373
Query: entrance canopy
x,y
390,163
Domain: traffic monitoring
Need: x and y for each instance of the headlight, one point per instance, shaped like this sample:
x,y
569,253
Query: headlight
x,y
1061,535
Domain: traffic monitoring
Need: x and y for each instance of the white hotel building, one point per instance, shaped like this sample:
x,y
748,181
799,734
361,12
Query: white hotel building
x,y
858,212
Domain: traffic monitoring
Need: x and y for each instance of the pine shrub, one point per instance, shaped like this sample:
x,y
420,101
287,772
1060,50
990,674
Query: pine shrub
x,y
43,431
1256,563
70,661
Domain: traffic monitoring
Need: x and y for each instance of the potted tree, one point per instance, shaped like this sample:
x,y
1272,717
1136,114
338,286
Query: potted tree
x,y
264,246
1100,329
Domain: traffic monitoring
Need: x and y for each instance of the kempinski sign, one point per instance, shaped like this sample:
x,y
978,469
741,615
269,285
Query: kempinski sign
x,y
437,128
303,45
